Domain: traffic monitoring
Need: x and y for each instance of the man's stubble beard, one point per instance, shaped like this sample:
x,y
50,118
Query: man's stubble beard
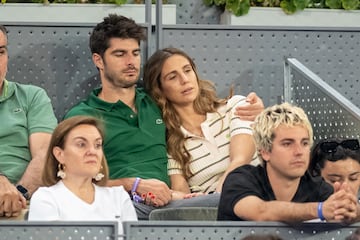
x,y
121,83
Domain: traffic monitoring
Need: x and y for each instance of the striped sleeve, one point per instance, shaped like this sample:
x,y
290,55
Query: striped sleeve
x,y
173,166
237,126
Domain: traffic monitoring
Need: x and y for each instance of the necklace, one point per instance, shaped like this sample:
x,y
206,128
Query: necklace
x,y
194,125
197,131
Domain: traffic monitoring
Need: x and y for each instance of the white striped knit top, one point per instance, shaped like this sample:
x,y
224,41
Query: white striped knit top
x,y
210,154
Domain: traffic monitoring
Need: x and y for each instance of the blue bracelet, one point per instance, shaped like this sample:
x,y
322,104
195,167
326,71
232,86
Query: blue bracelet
x,y
134,196
135,185
320,211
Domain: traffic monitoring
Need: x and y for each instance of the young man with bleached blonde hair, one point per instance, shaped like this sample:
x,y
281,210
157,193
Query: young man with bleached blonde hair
x,y
281,189
284,114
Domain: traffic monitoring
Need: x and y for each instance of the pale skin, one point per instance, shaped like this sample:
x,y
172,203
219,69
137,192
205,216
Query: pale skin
x,y
119,71
12,202
179,85
81,157
343,171
285,164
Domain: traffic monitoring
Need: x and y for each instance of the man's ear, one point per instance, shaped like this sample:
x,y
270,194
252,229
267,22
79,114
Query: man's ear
x,y
265,155
58,153
98,61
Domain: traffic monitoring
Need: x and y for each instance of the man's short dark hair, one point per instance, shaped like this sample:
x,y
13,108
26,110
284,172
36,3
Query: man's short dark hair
x,y
114,26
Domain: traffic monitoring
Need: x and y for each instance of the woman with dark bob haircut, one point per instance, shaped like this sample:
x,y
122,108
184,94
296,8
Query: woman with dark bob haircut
x,y
337,160
75,175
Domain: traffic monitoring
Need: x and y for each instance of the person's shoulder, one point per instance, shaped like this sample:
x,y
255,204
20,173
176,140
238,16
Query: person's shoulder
x,y
81,108
316,187
247,168
141,93
46,191
27,89
316,180
249,171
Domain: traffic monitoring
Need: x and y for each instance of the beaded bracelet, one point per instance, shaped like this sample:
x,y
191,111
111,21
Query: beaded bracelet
x,y
320,211
135,197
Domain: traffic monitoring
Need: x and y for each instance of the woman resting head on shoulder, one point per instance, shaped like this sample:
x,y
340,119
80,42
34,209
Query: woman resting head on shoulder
x,y
75,175
205,138
337,160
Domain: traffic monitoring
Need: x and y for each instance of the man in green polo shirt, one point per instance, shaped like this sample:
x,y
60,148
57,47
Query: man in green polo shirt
x,y
134,144
27,121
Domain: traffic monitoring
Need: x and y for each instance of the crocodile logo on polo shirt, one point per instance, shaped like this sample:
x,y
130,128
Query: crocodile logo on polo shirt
x,y
17,110
159,121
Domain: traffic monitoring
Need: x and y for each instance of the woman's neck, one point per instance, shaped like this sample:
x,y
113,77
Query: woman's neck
x,y
85,190
191,120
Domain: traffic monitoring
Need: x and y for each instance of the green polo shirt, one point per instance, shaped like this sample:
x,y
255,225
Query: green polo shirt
x,y
24,109
135,144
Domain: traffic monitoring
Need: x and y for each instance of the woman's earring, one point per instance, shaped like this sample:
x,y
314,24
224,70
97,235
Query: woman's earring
x,y
98,177
61,174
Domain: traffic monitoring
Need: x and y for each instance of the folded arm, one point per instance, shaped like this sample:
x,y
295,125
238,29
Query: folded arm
x,y
242,149
252,208
39,143
341,206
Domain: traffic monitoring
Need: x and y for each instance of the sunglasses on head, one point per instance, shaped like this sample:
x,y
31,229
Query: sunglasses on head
x,y
331,146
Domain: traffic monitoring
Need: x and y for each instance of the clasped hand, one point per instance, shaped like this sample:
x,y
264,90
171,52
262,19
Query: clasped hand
x,y
342,205
11,200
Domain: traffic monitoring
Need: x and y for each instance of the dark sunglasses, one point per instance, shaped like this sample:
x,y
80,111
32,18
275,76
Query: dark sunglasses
x,y
331,146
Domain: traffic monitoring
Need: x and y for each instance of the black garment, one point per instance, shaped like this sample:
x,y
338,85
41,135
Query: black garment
x,y
253,181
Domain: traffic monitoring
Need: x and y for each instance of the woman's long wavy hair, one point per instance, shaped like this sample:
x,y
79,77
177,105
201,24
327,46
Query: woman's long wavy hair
x,y
206,101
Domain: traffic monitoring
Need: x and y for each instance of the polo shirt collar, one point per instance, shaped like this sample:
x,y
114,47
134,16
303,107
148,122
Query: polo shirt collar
x,y
95,101
7,91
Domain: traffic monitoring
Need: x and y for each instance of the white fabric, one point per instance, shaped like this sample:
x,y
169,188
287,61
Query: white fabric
x,y
59,203
211,154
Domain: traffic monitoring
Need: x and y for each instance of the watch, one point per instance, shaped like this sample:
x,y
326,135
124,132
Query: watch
x,y
23,191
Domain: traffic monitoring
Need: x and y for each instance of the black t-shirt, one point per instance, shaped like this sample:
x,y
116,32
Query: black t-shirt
x,y
248,180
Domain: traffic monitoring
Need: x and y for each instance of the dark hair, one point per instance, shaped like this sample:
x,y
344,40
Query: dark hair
x,y
114,26
318,157
3,29
58,139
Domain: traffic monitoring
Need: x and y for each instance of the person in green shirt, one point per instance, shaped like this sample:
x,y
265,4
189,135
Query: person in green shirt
x,y
27,121
135,142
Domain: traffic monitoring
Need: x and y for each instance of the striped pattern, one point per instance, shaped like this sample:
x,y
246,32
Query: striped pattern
x,y
210,155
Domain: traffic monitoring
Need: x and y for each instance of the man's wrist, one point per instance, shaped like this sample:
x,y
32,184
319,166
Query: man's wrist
x,y
23,191
320,211
134,195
